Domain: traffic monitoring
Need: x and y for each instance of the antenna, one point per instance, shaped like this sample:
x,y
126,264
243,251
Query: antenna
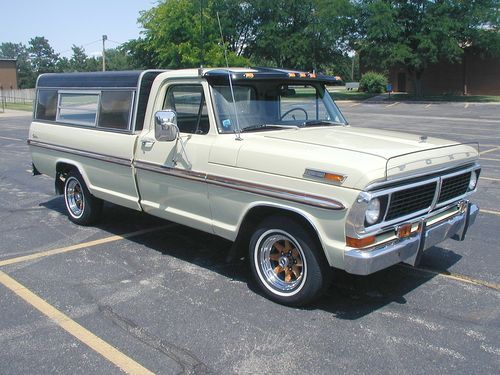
x,y
238,130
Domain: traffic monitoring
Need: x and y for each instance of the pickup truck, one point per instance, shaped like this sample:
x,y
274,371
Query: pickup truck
x,y
262,157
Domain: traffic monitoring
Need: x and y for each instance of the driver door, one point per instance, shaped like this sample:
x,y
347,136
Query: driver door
x,y
170,175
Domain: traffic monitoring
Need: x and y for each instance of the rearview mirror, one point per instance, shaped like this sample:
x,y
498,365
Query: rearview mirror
x,y
166,125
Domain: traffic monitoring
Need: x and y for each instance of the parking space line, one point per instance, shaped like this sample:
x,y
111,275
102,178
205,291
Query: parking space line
x,y
489,178
13,139
391,105
490,159
491,212
466,105
428,105
94,342
488,151
355,104
454,276
80,246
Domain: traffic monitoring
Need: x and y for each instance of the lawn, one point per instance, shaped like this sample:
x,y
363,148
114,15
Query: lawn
x,y
351,95
19,106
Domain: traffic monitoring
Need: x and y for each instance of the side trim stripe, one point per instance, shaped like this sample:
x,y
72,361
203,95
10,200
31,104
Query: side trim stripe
x,y
310,200
74,151
302,198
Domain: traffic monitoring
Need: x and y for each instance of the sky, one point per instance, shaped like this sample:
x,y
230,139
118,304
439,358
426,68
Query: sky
x,y
69,22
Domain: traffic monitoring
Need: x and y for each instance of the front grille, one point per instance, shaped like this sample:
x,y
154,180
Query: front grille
x,y
453,187
408,201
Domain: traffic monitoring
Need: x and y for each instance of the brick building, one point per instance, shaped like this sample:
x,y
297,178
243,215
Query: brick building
x,y
474,75
8,74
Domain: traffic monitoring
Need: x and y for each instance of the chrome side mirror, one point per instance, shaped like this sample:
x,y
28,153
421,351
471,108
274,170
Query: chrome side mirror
x,y
166,126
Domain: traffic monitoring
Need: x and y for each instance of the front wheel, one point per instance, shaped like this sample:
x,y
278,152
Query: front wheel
x,y
82,207
287,262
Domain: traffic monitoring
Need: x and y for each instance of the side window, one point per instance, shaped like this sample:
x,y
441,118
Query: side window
x,y
115,110
46,105
79,109
189,103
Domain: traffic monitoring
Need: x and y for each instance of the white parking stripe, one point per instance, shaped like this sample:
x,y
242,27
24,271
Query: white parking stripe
x,y
488,151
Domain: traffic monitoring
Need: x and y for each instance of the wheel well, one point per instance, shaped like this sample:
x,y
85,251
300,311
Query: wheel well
x,y
62,169
255,216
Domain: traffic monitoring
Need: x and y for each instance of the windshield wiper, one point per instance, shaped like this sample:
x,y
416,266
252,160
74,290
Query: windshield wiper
x,y
267,126
320,122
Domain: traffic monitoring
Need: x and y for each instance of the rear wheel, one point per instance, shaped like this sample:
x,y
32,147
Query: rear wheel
x,y
287,262
82,207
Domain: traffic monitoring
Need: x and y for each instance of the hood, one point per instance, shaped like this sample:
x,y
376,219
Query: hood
x,y
362,155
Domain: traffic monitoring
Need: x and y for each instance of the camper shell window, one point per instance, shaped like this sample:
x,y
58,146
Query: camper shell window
x,y
78,108
115,109
46,105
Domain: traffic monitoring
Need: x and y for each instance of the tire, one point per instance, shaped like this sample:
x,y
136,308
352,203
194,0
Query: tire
x,y
82,207
287,262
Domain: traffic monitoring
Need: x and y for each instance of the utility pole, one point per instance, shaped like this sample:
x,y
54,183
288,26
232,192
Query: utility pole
x,y
104,38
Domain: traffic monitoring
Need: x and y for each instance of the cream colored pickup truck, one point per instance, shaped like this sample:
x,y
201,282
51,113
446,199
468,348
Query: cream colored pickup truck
x,y
262,157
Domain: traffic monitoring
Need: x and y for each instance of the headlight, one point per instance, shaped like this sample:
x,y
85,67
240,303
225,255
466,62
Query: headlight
x,y
473,180
373,211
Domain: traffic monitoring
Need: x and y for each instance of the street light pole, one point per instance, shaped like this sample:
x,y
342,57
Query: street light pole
x,y
104,38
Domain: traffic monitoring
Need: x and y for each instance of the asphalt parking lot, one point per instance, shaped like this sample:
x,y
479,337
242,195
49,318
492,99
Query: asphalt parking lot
x,y
139,294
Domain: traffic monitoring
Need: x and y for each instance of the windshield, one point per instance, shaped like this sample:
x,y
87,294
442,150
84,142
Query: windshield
x,y
273,105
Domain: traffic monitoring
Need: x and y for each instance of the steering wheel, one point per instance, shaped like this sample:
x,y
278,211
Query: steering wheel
x,y
294,109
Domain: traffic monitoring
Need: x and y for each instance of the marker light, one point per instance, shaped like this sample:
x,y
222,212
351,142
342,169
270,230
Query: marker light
x,y
334,177
248,75
359,242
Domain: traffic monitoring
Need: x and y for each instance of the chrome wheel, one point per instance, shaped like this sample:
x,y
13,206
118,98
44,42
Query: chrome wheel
x,y
74,197
280,262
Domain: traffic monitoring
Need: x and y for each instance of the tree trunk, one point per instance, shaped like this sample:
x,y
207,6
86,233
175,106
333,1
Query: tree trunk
x,y
417,83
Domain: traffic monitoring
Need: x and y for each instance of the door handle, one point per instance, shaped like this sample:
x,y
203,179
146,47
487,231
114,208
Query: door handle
x,y
148,142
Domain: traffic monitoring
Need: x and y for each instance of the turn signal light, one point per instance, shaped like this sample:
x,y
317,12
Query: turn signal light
x,y
334,177
248,75
403,230
293,75
303,75
360,242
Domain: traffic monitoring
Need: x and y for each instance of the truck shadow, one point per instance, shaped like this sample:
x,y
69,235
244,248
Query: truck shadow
x,y
349,297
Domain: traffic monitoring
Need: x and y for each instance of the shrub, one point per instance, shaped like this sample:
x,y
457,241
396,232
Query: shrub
x,y
373,82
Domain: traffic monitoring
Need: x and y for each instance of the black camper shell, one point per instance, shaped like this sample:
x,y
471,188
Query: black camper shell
x,y
113,101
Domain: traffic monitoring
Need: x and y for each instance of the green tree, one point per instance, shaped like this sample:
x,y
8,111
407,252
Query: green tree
x,y
417,33
79,59
42,57
185,33
301,34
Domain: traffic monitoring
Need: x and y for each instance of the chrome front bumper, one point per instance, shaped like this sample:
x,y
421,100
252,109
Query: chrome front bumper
x,y
409,249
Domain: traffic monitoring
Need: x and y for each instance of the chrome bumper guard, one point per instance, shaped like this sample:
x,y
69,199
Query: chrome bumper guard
x,y
409,249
